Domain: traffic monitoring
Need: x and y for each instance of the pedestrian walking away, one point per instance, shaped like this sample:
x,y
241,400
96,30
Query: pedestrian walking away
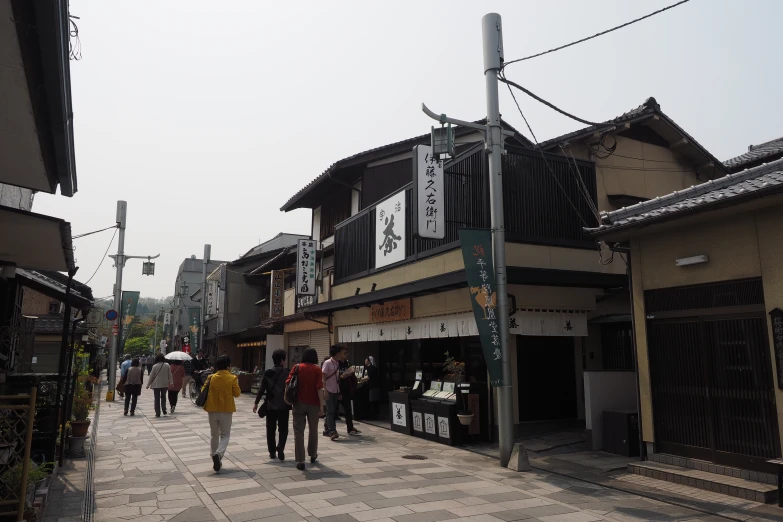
x,y
177,374
331,369
220,407
186,380
134,378
308,404
123,373
273,384
348,384
374,383
159,380
150,362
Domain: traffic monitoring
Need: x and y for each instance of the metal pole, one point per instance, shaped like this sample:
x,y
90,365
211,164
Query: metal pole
x,y
207,255
492,36
119,263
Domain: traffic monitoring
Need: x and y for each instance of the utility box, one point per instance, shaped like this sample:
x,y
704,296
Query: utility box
x,y
621,432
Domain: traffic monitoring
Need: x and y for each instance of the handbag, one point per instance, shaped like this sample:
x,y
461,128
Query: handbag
x,y
201,400
121,385
291,396
262,410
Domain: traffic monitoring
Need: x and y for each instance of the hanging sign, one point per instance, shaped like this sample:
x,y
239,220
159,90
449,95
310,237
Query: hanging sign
x,y
399,310
212,297
390,230
429,216
305,266
129,302
476,246
776,316
276,295
194,314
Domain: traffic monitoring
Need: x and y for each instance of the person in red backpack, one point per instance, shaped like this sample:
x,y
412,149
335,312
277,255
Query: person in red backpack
x,y
308,406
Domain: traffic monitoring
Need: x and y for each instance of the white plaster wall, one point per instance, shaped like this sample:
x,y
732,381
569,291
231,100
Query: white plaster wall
x,y
606,390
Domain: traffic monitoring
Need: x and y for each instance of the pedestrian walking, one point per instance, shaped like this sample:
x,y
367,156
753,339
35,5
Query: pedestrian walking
x,y
348,383
331,369
273,384
150,361
309,404
134,378
177,375
220,407
374,385
159,380
187,378
123,373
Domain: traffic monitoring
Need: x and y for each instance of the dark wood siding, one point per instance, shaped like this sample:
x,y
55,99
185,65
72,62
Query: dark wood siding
x,y
384,180
335,209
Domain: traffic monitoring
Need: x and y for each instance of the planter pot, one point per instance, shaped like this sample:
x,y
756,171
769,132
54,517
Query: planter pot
x,y
76,446
465,418
79,428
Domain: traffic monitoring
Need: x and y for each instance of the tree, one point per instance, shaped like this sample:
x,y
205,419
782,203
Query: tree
x,y
137,345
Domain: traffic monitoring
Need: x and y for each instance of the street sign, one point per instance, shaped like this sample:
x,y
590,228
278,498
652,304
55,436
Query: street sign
x,y
111,315
115,330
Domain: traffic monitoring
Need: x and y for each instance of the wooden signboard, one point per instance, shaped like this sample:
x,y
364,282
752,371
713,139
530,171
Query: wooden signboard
x,y
399,310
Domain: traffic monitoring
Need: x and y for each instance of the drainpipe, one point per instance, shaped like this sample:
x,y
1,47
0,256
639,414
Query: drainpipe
x,y
627,251
68,397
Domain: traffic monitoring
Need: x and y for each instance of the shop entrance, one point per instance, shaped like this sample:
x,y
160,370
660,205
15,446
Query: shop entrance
x,y
546,370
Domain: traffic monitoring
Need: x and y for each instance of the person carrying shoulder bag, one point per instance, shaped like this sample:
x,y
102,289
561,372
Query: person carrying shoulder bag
x,y
160,380
274,407
307,381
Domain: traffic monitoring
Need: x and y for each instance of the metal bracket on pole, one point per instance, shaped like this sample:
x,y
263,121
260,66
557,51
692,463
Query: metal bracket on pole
x,y
442,118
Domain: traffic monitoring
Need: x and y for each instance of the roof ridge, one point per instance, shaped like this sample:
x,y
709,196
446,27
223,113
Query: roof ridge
x,y
764,144
696,190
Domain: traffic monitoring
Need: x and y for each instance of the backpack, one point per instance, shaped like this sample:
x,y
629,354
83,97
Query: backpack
x,y
292,389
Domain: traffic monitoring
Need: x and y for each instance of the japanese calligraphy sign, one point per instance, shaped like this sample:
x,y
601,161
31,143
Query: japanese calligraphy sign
x,y
390,230
212,297
276,295
194,315
399,310
430,218
130,301
480,272
776,316
305,266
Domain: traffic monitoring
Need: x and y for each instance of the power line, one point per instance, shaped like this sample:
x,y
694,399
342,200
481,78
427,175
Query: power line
x,y
597,34
94,232
104,256
509,83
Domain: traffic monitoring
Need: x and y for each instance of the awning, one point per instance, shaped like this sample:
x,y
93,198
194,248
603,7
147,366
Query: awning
x,y
35,241
50,287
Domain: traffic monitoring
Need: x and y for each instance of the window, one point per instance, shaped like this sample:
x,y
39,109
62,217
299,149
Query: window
x,y
54,307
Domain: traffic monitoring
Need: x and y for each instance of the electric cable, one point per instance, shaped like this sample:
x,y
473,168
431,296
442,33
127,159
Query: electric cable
x,y
508,82
104,256
597,34
94,232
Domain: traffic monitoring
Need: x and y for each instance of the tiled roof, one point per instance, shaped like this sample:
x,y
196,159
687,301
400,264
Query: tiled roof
x,y
53,324
768,151
410,141
733,188
53,284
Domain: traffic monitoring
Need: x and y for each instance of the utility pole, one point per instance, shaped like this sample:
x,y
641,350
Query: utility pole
x,y
119,263
207,255
492,37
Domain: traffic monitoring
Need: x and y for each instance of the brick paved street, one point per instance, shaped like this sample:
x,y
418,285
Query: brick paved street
x,y
155,469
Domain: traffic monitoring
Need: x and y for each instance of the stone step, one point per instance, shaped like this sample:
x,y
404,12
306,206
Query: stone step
x,y
717,483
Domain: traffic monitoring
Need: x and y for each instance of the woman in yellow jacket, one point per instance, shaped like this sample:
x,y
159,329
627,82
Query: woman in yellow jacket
x,y
223,387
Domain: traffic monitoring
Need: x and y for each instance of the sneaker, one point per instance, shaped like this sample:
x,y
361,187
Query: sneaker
x,y
313,458
280,455
327,433
126,413
334,435
172,409
133,414
272,456
300,466
354,432
216,464
165,412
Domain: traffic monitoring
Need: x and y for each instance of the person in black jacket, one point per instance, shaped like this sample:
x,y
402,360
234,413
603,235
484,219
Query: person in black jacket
x,y
273,384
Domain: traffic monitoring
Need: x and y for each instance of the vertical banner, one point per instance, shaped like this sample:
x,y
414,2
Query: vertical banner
x,y
429,216
212,298
130,301
276,295
194,315
390,230
305,267
167,328
476,244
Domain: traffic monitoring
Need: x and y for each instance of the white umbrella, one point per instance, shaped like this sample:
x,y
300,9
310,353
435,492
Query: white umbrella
x,y
178,356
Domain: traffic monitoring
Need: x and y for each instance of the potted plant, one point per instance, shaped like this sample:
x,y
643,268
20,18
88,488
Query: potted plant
x,y
455,371
82,397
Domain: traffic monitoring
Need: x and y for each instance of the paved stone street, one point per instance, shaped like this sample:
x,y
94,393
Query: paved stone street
x,y
155,469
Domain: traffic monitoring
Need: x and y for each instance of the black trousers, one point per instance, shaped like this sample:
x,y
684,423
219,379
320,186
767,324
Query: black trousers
x,y
276,420
346,402
173,396
132,392
160,400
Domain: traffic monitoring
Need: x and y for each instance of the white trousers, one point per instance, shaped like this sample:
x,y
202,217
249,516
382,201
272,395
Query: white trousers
x,y
220,428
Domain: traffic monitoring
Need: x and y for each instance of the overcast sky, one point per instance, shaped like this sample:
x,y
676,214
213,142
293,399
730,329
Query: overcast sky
x,y
207,116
